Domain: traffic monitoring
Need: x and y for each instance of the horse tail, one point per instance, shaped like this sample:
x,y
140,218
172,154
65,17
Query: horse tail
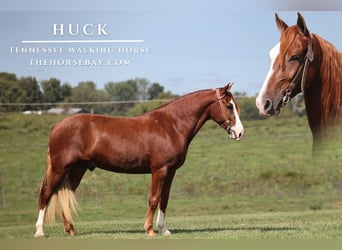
x,y
63,201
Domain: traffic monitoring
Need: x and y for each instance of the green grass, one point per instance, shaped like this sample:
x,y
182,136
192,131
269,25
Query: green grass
x,y
281,225
268,181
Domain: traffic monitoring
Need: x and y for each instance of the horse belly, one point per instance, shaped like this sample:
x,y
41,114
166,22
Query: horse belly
x,y
121,159
125,169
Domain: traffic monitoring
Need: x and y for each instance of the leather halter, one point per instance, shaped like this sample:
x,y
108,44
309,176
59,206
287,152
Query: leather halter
x,y
223,110
302,70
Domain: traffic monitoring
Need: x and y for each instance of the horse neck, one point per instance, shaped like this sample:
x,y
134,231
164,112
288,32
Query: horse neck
x,y
323,99
190,112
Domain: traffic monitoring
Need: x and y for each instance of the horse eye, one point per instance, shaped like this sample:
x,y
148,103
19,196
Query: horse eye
x,y
295,58
230,106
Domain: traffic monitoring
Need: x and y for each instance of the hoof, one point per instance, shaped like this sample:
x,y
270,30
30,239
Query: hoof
x,y
151,233
38,235
72,232
166,232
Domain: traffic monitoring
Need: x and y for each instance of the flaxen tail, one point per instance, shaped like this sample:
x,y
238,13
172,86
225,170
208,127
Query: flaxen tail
x,y
63,201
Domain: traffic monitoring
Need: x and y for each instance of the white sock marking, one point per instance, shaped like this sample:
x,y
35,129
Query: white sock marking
x,y
161,223
39,223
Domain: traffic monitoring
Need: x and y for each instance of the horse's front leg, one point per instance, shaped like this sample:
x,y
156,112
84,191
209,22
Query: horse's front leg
x,y
158,177
161,222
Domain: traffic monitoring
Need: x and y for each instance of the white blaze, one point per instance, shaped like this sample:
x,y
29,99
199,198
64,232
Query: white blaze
x,y
238,127
260,100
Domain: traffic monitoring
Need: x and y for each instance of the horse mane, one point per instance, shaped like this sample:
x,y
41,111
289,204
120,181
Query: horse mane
x,y
331,81
179,98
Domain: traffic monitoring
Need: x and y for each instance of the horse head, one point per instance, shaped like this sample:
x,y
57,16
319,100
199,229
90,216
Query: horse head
x,y
290,62
226,113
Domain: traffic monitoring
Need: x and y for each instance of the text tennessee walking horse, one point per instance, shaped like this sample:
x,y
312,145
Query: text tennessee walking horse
x,y
155,142
304,62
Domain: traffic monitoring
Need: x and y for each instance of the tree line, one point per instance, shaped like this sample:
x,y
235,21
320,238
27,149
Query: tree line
x,y
47,94
26,91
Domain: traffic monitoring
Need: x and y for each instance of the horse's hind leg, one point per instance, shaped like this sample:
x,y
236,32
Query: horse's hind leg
x,y
47,188
56,194
75,174
41,214
45,192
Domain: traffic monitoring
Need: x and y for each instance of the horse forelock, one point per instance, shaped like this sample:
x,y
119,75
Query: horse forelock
x,y
331,80
287,38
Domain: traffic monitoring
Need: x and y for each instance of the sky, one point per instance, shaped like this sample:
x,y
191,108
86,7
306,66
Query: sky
x,y
184,45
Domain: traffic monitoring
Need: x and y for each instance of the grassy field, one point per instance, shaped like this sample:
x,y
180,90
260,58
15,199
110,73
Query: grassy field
x,y
265,186
325,224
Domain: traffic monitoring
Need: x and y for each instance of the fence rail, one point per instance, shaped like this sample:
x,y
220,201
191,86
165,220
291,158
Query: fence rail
x,y
82,103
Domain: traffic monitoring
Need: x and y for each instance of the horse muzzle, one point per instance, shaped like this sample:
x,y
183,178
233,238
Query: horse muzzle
x,y
270,108
235,133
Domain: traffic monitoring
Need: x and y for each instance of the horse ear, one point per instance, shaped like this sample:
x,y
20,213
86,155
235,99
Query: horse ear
x,y
228,87
281,25
302,25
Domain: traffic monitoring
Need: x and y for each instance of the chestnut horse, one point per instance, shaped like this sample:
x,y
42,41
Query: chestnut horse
x,y
155,142
304,62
